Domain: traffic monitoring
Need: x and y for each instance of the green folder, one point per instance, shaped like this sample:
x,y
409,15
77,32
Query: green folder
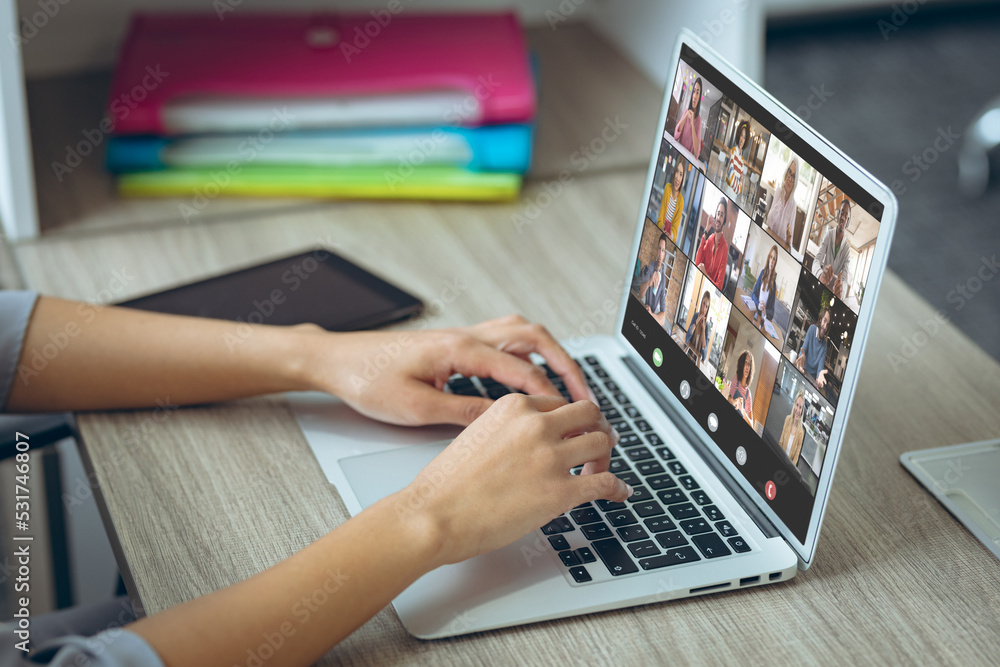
x,y
388,182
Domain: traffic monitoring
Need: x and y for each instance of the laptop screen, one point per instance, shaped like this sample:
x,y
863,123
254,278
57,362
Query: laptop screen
x,y
749,278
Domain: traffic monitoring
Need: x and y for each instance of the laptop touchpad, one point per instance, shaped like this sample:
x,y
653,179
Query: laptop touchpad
x,y
375,476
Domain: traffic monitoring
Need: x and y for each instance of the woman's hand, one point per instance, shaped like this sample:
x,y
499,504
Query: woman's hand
x,y
504,476
509,473
685,117
689,119
398,377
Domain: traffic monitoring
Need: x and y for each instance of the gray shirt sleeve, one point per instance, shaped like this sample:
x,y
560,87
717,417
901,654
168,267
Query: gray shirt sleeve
x,y
113,648
15,311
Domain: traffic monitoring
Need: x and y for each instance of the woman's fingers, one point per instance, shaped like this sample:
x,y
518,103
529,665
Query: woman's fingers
x,y
478,358
593,450
605,485
580,417
517,336
431,406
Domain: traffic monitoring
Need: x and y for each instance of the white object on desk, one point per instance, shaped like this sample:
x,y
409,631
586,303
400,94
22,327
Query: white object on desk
x,y
770,329
18,209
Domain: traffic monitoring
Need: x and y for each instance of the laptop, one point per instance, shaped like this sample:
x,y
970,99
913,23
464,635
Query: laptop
x,y
757,257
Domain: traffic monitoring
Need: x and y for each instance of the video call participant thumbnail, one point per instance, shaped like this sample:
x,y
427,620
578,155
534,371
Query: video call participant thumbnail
x,y
670,215
798,424
697,328
737,243
765,289
650,283
820,339
656,279
671,210
842,243
740,396
780,216
692,99
737,167
712,255
811,357
767,285
746,376
833,261
793,430
737,153
700,321
787,197
674,196
737,158
688,130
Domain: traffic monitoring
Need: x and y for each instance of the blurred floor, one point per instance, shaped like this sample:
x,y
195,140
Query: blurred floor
x,y
891,95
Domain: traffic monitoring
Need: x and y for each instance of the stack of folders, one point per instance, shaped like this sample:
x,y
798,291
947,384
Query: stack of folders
x,y
376,105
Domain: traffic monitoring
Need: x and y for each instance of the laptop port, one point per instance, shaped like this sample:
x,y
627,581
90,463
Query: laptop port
x,y
695,591
746,581
774,576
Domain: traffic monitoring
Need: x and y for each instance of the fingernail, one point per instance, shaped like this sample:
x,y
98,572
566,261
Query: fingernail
x,y
615,435
628,490
591,396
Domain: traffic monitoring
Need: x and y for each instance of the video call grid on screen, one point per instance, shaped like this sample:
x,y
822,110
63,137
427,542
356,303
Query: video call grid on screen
x,y
763,258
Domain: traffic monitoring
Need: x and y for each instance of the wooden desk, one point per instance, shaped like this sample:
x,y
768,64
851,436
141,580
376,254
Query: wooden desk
x,y
200,498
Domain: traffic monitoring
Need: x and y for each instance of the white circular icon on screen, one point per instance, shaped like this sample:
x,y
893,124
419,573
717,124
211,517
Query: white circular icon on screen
x,y
741,455
713,422
685,390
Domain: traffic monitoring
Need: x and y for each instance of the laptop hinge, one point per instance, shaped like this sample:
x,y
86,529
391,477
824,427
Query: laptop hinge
x,y
763,523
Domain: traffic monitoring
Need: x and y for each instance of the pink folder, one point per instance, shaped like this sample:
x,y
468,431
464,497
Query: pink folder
x,y
179,58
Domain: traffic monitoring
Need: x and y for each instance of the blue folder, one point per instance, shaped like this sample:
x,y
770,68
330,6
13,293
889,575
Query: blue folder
x,y
505,148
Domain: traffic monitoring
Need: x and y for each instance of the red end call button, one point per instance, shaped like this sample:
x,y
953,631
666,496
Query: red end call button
x,y
770,490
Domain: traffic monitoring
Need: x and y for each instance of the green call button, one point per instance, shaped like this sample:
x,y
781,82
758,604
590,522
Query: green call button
x,y
657,357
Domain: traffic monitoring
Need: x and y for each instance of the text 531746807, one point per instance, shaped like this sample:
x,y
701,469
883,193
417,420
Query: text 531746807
x,y
22,542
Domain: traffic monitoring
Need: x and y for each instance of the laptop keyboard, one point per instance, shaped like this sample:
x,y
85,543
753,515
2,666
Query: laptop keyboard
x,y
668,520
